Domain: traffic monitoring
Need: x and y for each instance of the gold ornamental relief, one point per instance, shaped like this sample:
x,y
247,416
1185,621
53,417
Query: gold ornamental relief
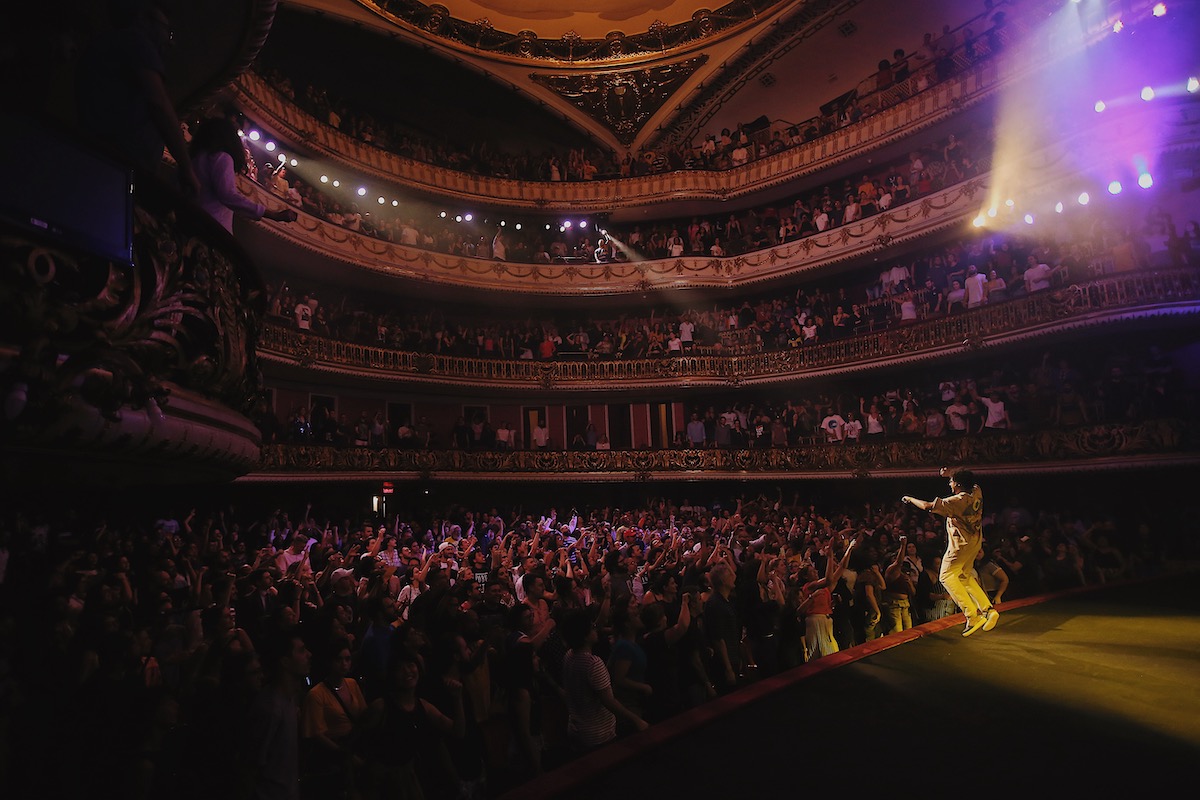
x,y
622,100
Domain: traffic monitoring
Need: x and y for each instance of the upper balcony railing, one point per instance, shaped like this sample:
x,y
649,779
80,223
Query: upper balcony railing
x,y
938,102
925,215
1028,47
1148,443
1120,297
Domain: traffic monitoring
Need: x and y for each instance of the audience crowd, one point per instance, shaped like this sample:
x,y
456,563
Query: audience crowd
x,y
927,168
292,654
982,269
1052,392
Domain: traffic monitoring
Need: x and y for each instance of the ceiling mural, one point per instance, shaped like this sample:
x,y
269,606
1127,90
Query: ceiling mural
x,y
572,33
623,100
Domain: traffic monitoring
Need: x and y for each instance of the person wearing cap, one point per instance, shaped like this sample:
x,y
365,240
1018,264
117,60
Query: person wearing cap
x,y
963,511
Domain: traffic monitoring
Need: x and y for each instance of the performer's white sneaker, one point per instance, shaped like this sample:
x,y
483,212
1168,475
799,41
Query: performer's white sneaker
x,y
975,623
991,617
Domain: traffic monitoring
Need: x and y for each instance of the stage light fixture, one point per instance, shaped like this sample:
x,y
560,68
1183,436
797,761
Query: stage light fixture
x,y
1145,181
324,179
1084,198
270,147
583,223
1100,106
294,163
1160,9
468,217
254,136
979,221
1029,219
458,217
566,224
1058,207
442,215
382,201
337,184
362,191
1114,187
1147,93
1118,26
395,204
517,226
991,212
282,158
1193,84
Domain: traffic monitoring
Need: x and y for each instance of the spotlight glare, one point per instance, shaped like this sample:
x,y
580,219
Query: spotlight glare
x,y
255,136
324,179
1118,26
1147,93
517,226
1084,198
395,203
1193,84
991,211
1029,219
467,217
442,215
1058,207
1114,187
583,223
362,191
458,217
382,201
270,147
1160,9
1009,202
502,223
978,221
562,229
1145,181
566,224
282,158
547,226
1100,106
294,163
337,184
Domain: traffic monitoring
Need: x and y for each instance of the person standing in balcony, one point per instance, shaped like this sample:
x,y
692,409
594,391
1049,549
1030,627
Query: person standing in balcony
x,y
217,157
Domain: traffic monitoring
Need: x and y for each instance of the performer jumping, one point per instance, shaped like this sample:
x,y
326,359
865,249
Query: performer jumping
x,y
963,511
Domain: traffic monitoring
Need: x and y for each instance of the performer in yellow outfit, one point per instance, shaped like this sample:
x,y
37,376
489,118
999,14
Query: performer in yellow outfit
x,y
963,511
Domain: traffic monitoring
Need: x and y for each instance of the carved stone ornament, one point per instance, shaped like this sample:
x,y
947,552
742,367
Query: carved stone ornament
x,y
622,100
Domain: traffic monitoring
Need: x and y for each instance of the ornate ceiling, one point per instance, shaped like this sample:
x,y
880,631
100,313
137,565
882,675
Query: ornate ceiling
x,y
639,73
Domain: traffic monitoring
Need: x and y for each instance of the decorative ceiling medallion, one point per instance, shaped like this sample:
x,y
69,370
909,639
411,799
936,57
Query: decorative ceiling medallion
x,y
622,100
480,35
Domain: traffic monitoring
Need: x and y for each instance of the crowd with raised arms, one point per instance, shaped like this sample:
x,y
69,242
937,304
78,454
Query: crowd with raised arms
x,y
303,652
1043,392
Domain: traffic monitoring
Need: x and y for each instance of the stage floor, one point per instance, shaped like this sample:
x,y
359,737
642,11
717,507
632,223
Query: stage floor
x,y
1093,691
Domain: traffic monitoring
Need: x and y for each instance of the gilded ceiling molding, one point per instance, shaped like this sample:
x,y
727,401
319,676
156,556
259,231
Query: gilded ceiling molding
x,y
480,37
624,100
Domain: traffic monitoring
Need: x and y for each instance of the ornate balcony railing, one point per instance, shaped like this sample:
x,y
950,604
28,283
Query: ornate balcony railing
x,y
1036,47
939,102
925,215
1108,446
1113,299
